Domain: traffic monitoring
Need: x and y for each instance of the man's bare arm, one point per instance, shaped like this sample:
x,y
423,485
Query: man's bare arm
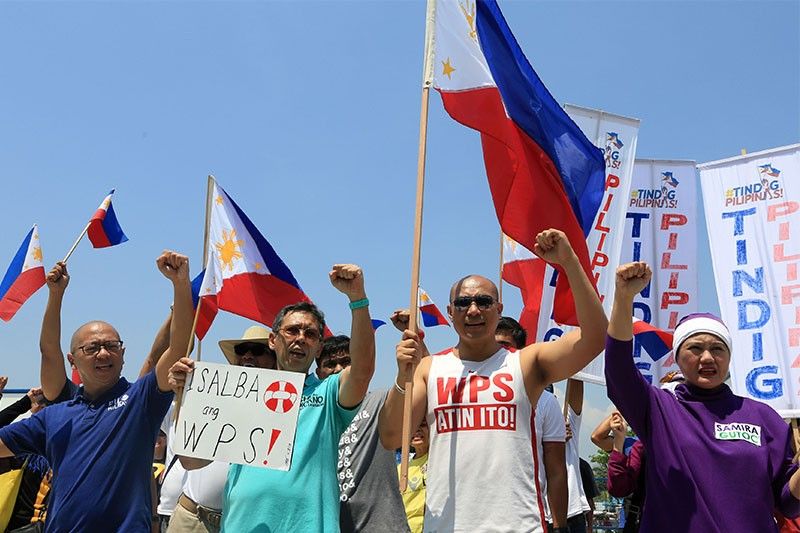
x,y
549,362
354,380
52,371
575,398
390,421
175,267
160,345
601,436
555,470
4,451
193,463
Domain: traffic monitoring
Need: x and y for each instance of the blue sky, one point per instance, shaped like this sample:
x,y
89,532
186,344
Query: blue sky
x,y
307,114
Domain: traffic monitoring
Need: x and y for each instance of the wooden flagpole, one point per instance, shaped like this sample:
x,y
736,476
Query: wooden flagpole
x,y
566,400
78,240
209,189
427,81
179,393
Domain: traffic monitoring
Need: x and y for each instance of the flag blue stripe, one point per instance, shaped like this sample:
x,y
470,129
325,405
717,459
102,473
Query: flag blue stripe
x,y
274,263
428,320
197,284
112,228
15,268
531,106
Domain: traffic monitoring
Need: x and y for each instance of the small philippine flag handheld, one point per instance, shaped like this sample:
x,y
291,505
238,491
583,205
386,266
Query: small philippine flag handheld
x,y
104,229
24,276
431,316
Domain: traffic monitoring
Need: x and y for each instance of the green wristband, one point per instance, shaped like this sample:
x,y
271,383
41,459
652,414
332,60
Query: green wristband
x,y
358,304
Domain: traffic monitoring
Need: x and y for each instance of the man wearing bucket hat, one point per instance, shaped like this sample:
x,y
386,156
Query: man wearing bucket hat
x,y
199,508
717,461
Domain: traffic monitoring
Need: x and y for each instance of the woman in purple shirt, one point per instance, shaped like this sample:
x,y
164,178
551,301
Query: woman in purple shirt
x,y
716,462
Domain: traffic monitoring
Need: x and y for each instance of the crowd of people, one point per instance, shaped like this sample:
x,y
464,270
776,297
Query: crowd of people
x,y
492,449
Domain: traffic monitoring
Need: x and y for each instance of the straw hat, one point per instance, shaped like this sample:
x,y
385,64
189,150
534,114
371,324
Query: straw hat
x,y
257,334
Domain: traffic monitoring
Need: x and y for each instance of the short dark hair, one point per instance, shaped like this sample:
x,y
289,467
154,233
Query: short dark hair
x,y
300,307
516,330
334,345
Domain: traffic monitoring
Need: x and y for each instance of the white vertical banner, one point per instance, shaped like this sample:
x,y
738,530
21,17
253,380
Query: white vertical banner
x,y
661,230
752,205
616,136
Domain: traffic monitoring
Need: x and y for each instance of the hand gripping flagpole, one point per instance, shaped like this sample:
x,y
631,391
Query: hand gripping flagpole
x,y
427,81
179,392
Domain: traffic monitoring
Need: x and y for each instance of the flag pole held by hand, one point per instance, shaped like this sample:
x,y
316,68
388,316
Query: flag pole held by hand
x,y
78,240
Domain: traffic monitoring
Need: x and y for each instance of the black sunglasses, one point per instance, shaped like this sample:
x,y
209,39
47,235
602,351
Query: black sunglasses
x,y
254,348
483,301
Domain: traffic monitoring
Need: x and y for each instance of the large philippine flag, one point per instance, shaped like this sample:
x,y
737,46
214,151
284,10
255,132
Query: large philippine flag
x,y
243,274
24,276
523,269
104,229
431,316
543,172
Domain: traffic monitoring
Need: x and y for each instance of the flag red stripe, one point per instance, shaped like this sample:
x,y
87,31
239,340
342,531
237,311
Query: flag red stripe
x,y
28,282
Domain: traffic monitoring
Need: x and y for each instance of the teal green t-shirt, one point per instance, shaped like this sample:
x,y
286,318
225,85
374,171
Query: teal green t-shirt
x,y
306,497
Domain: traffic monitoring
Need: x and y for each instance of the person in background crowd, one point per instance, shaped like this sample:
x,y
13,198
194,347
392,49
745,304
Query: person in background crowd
x,y
199,506
30,508
367,473
100,444
578,504
550,434
590,490
414,495
334,357
499,387
702,441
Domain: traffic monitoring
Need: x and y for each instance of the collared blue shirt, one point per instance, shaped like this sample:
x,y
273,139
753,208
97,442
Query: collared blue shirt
x,y
102,454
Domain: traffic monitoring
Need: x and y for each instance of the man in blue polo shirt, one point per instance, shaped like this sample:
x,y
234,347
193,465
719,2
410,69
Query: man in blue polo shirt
x,y
100,444
305,498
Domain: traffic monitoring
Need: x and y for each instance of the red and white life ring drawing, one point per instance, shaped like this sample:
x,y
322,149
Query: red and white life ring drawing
x,y
280,396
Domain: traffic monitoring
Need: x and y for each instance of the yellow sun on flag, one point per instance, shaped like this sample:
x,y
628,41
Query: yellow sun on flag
x,y
219,200
469,14
229,249
37,254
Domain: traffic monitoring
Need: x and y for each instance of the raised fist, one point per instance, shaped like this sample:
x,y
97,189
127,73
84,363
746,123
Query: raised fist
x,y
553,246
173,265
632,278
349,280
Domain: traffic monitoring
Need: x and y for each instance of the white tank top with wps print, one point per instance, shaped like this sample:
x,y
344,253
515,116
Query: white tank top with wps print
x,y
481,463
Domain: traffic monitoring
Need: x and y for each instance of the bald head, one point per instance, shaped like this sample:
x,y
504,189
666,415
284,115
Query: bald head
x,y
88,329
473,279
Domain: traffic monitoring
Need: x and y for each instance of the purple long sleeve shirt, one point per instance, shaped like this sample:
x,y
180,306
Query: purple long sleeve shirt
x,y
624,470
716,462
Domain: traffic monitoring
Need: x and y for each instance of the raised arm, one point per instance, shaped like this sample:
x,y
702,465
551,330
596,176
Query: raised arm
x,y
354,380
601,436
160,345
575,398
52,372
175,267
390,422
549,362
627,388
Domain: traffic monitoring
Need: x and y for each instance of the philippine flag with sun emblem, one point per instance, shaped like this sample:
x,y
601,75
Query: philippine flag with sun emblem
x,y
243,274
24,276
543,172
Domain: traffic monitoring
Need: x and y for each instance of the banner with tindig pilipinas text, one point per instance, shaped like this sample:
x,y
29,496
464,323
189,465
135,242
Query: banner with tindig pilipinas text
x,y
661,230
617,136
752,205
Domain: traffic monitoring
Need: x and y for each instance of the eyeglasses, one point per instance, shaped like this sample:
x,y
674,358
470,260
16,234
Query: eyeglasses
x,y
292,332
483,301
113,347
254,348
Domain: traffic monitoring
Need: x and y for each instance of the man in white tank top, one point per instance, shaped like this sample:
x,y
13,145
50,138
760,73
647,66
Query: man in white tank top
x,y
477,400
